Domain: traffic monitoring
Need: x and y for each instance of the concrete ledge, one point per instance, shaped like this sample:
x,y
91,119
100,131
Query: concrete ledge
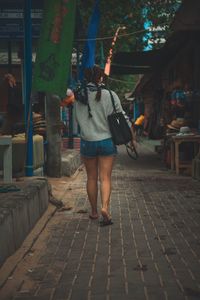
x,y
19,211
70,162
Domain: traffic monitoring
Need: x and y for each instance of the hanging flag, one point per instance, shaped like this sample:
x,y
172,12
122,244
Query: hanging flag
x,y
53,57
88,59
108,61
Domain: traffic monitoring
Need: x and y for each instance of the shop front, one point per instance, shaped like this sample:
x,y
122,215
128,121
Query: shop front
x,y
17,49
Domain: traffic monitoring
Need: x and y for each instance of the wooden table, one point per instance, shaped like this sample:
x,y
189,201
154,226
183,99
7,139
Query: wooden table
x,y
175,143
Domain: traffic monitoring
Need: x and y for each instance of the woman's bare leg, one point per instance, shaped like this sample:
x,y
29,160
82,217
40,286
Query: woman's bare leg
x,y
105,172
91,165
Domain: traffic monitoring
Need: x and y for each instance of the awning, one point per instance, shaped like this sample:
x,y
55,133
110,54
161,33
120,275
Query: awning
x,y
135,62
149,61
119,69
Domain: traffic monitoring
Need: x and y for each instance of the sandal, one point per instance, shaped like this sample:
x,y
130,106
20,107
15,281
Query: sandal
x,y
105,222
93,217
106,219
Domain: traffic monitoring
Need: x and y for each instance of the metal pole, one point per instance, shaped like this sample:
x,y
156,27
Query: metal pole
x,y
9,68
9,57
71,142
27,86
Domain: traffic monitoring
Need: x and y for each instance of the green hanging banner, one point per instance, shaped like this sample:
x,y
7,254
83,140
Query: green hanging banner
x,y
53,57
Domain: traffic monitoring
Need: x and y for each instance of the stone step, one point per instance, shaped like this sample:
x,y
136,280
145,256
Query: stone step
x,y
19,212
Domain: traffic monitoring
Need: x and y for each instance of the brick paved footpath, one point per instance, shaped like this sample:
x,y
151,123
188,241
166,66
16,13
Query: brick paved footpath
x,y
152,251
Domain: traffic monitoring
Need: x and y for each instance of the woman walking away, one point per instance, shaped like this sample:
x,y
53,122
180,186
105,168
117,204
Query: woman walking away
x,y
97,148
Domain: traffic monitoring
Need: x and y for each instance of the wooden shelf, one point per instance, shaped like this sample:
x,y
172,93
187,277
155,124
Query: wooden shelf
x,y
175,157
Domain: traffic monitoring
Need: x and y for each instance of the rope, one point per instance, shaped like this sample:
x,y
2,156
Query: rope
x,y
111,37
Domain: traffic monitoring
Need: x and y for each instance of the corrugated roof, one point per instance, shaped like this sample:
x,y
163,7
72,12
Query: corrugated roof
x,y
188,16
19,3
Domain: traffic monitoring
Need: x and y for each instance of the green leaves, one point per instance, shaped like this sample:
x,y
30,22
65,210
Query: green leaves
x,y
116,13
132,15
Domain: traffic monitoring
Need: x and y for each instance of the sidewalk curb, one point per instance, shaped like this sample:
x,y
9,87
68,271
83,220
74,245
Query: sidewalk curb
x,y
11,263
9,266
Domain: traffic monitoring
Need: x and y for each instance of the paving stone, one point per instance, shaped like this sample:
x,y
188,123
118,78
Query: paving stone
x,y
152,251
61,291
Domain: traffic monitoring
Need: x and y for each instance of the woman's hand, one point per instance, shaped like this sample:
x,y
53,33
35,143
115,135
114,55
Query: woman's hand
x,y
10,79
134,143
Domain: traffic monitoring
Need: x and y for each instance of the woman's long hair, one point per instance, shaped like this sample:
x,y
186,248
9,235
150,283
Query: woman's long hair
x,y
95,76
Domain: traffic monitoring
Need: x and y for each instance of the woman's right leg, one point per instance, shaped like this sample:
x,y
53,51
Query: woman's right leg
x,y
91,166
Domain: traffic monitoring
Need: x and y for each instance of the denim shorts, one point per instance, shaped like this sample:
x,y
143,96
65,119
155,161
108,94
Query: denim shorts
x,y
98,148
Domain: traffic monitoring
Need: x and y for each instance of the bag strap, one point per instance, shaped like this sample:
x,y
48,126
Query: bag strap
x,y
89,110
113,101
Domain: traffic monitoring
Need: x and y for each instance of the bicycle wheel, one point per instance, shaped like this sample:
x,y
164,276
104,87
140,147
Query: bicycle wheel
x,y
132,152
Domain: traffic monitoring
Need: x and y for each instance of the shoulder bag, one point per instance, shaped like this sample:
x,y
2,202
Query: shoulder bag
x,y
121,133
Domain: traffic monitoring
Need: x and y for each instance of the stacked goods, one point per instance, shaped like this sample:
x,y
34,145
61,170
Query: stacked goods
x,y
69,143
39,124
76,141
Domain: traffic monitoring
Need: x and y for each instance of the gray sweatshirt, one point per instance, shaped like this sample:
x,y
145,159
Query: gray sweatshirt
x,y
96,128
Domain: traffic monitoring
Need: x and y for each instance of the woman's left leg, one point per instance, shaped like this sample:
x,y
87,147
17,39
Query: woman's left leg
x,y
105,172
